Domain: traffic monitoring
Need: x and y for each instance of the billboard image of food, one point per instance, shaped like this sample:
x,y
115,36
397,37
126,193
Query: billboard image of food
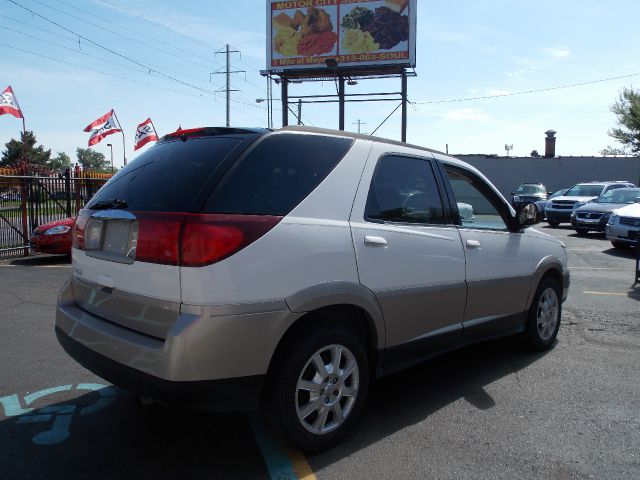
x,y
305,33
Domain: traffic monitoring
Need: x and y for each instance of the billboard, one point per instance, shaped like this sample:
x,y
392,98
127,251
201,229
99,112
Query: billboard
x,y
303,34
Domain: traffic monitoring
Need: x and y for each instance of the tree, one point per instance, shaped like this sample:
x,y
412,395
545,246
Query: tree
x,y
627,109
37,156
61,161
92,160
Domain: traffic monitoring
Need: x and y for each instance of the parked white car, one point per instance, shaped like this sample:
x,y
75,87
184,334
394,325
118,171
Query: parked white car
x,y
238,268
623,228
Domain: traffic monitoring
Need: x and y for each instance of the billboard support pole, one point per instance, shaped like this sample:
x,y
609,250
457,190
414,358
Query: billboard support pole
x,y
285,101
403,134
341,101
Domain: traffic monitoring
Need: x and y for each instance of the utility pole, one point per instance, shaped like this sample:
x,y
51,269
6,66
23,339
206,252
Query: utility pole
x,y
228,73
299,112
359,123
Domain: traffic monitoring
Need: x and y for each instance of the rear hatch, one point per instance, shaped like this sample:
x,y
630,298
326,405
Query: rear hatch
x,y
129,242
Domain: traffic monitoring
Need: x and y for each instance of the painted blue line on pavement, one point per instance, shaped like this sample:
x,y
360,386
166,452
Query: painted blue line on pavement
x,y
12,407
276,459
28,399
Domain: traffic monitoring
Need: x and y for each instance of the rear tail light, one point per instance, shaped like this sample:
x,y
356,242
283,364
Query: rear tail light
x,y
78,231
207,239
159,237
189,240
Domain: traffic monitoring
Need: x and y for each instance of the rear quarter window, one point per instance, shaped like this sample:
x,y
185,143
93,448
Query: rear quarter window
x,y
276,175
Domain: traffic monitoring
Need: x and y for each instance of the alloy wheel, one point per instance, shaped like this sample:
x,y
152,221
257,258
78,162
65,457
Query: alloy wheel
x,y
327,389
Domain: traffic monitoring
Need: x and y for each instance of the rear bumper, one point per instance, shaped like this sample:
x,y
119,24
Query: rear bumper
x,y
229,394
213,356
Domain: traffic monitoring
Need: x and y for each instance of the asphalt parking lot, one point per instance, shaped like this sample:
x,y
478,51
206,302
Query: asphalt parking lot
x,y
493,410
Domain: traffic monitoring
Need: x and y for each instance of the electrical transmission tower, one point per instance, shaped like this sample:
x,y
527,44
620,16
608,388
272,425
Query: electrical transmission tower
x,y
227,71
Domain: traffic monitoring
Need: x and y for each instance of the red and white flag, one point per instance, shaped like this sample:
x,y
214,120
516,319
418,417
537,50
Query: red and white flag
x,y
145,133
102,127
9,104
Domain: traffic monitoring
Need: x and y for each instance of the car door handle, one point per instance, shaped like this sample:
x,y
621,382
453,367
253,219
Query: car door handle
x,y
375,241
473,244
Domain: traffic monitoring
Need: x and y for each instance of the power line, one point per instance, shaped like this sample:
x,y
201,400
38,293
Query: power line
x,y
38,28
120,77
526,92
81,52
180,34
153,47
103,72
155,39
113,52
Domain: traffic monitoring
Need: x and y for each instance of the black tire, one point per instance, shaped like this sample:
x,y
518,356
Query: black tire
x,y
283,399
543,319
582,232
620,245
553,223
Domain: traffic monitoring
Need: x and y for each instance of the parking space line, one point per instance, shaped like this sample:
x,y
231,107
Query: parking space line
x,y
596,268
618,294
282,463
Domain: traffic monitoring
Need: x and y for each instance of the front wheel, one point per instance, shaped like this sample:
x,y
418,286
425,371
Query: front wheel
x,y
543,320
317,391
582,232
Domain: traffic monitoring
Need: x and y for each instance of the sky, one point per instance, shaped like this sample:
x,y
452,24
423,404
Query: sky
x,y
465,49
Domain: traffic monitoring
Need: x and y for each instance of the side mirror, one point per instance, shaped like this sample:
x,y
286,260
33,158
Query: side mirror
x,y
466,211
527,214
513,193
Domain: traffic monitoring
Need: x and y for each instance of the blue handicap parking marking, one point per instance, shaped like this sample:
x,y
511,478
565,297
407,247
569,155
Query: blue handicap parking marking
x,y
60,416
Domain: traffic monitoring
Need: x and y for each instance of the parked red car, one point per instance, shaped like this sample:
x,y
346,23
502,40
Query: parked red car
x,y
53,237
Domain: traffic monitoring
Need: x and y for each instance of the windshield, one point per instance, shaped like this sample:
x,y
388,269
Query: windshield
x,y
585,191
559,193
622,195
531,189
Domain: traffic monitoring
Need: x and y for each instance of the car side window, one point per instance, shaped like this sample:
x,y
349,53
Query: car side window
x,y
477,205
404,190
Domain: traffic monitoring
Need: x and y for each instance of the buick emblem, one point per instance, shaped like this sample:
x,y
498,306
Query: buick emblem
x,y
588,215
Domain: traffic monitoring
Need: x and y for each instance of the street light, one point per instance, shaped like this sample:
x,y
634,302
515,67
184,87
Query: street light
x,y
270,110
111,147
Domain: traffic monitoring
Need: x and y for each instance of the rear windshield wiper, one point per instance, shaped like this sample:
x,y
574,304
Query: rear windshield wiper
x,y
110,204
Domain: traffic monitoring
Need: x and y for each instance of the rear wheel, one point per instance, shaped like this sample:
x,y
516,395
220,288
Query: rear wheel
x,y
619,245
316,392
544,316
553,223
582,232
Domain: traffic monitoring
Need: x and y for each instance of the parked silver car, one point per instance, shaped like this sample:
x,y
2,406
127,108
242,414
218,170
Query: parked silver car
x,y
238,268
560,208
623,228
594,215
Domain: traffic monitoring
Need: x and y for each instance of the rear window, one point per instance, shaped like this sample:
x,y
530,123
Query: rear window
x,y
280,172
169,176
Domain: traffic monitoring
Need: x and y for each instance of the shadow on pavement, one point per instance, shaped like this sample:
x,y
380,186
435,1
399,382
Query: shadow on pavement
x,y
621,253
411,396
42,260
125,440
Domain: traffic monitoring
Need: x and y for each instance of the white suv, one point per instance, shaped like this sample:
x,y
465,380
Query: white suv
x,y
240,268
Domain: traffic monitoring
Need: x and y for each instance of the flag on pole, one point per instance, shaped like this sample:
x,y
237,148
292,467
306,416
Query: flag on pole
x,y
145,133
9,104
102,127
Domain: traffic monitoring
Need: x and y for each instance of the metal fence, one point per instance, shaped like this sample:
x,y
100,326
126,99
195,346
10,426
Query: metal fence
x,y
29,201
